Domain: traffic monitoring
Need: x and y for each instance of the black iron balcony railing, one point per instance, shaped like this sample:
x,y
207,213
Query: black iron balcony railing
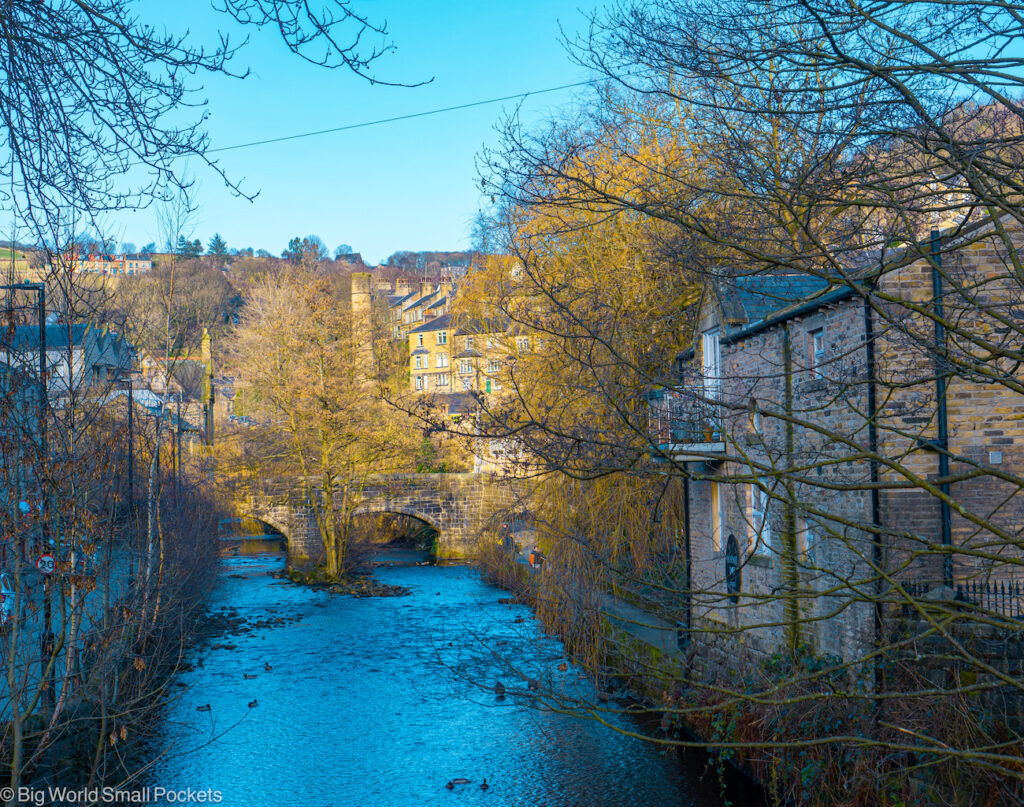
x,y
684,419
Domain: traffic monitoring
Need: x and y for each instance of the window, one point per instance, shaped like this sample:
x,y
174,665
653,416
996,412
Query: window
x,y
467,383
442,337
522,344
419,340
717,516
442,360
418,362
419,382
760,528
807,540
442,380
469,343
756,422
465,367
711,359
493,366
816,352
490,343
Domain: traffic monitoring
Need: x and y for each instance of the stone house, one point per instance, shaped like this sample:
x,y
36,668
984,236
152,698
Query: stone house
x,y
820,439
430,356
479,356
78,357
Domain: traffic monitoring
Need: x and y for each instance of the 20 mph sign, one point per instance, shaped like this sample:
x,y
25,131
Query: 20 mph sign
x,y
46,564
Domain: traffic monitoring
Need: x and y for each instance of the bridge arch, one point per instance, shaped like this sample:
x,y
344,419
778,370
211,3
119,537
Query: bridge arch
x,y
459,507
376,508
247,524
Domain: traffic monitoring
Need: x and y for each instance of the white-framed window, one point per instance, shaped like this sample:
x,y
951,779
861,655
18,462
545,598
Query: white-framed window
x,y
760,524
465,367
711,361
442,337
469,343
490,343
419,382
522,344
418,362
419,340
441,360
467,383
806,539
717,516
816,352
493,366
442,379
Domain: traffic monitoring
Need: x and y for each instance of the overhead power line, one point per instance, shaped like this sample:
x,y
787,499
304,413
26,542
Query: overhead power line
x,y
364,124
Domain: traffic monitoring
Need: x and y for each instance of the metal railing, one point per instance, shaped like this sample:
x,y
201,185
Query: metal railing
x,y
1001,597
685,417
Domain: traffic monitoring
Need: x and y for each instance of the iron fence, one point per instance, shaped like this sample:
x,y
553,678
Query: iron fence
x,y
1002,597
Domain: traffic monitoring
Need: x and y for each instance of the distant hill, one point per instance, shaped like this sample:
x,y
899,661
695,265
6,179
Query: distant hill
x,y
430,263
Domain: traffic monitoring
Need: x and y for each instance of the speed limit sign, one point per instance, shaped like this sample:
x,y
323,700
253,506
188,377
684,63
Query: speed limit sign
x,y
46,563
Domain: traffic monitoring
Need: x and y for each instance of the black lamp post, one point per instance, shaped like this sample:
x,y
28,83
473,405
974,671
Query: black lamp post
x,y
46,641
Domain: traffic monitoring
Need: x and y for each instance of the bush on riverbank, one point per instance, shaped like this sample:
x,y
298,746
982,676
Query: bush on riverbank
x,y
104,726
355,584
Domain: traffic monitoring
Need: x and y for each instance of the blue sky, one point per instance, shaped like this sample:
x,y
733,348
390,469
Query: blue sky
x,y
404,185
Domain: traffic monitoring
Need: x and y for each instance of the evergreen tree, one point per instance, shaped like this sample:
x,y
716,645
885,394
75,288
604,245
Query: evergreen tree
x,y
189,249
217,247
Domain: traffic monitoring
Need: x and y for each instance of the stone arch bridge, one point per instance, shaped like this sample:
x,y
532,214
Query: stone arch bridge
x,y
459,506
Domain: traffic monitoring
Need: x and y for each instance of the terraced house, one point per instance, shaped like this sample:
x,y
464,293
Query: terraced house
x,y
430,356
843,445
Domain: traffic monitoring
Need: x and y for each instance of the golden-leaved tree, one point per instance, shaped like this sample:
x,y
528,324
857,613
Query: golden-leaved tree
x,y
830,139
308,363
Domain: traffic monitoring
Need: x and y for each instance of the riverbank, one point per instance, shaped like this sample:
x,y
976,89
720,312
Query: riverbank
x,y
384,701
634,659
121,630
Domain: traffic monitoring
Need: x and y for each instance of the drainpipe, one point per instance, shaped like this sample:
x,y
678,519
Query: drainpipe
x,y
876,507
688,569
942,443
790,572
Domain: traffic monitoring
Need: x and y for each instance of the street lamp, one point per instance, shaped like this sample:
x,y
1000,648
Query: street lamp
x,y
128,375
46,641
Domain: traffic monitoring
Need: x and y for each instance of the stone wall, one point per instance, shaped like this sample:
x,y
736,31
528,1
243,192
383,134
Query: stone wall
x,y
461,507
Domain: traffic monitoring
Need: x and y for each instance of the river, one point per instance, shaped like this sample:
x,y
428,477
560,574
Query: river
x,y
382,701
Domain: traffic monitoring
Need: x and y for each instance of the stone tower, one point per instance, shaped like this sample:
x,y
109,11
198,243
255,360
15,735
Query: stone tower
x,y
361,324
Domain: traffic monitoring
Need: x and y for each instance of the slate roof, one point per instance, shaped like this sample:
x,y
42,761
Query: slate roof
x,y
751,298
472,326
460,403
26,337
421,300
442,323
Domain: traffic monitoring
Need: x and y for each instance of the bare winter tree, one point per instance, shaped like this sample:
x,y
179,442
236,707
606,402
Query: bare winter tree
x,y
99,113
814,471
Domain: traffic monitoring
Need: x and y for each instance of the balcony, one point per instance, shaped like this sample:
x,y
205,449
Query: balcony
x,y
684,425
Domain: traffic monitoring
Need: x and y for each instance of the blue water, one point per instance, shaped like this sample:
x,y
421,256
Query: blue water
x,y
383,700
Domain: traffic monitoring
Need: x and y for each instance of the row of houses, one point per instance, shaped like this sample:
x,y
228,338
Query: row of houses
x,y
103,264
837,453
449,353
